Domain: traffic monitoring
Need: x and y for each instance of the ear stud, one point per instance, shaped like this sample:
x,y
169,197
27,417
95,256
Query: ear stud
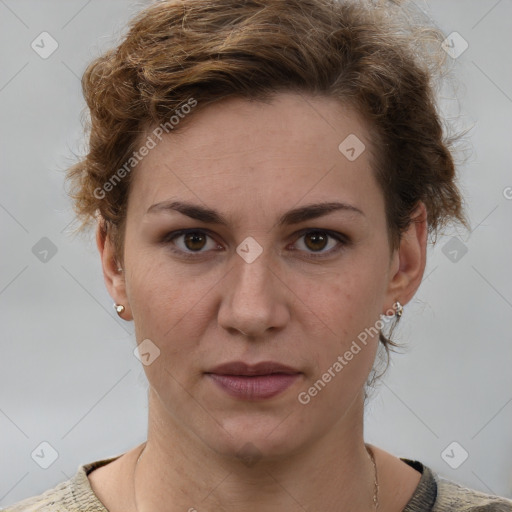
x,y
399,309
119,309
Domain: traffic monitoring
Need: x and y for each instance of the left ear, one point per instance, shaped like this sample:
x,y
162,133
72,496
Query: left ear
x,y
409,260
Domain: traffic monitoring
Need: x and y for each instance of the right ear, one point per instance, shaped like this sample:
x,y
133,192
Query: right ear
x,y
114,278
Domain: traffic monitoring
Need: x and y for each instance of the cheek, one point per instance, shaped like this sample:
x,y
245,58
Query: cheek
x,y
349,300
159,304
348,303
170,306
344,355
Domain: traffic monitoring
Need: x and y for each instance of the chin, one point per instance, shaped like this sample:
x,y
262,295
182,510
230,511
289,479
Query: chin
x,y
251,439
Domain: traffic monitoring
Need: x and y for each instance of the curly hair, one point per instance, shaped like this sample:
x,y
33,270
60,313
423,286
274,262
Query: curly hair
x,y
377,56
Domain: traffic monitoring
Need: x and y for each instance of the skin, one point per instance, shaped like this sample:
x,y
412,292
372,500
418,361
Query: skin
x,y
252,162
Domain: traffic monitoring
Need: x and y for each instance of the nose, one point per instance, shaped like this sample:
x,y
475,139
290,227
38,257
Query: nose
x,y
254,299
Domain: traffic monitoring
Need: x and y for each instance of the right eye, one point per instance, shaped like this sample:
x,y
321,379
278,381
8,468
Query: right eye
x,y
190,242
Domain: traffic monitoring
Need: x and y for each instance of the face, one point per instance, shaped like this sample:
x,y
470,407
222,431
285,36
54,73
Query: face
x,y
222,237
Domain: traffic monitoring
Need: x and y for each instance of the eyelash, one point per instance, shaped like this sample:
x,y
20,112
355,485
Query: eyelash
x,y
342,239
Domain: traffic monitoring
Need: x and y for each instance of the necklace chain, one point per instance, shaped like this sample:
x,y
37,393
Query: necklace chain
x,y
368,450
375,480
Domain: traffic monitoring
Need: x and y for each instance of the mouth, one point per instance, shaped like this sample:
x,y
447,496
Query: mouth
x,y
253,382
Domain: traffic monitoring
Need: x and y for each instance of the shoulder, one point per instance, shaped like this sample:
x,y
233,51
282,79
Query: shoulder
x,y
51,499
435,493
57,499
73,495
452,496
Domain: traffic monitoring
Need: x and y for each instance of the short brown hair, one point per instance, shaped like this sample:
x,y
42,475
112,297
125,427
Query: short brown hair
x,y
375,56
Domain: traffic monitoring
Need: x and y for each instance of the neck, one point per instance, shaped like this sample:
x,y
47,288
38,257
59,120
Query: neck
x,y
177,471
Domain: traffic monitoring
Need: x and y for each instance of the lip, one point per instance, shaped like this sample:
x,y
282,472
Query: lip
x,y
244,369
253,382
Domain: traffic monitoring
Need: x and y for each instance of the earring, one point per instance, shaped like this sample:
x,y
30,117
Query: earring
x,y
119,309
399,309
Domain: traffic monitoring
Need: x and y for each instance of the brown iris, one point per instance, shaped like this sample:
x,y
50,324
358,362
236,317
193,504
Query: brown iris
x,y
194,241
316,240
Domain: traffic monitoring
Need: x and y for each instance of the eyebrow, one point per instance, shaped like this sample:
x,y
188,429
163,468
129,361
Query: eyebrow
x,y
295,216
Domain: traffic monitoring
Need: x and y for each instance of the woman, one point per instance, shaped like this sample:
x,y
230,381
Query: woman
x,y
264,176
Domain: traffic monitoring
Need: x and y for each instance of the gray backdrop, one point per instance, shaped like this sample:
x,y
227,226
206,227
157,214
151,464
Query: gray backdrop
x,y
68,375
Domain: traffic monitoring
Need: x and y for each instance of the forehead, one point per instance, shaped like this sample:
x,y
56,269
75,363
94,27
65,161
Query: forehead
x,y
260,154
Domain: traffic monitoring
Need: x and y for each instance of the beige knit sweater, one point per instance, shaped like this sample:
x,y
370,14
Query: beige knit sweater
x,y
433,494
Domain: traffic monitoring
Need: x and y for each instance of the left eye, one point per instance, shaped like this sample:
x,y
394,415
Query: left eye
x,y
318,240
